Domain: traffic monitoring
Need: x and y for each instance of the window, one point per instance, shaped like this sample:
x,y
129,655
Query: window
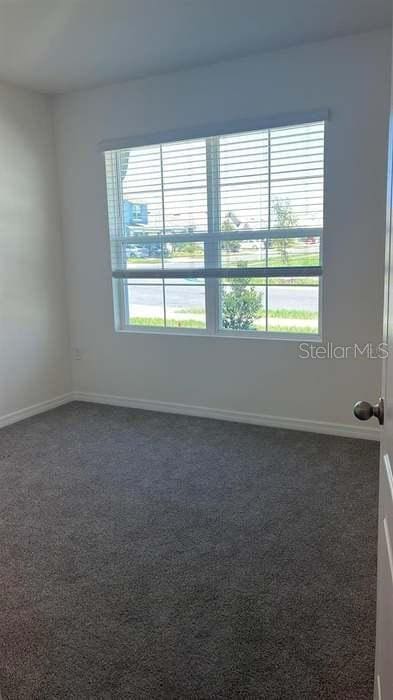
x,y
219,235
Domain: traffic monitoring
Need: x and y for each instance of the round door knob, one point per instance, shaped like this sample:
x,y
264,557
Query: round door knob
x,y
363,410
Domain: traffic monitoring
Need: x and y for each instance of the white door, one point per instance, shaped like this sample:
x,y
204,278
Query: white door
x,y
384,642
383,411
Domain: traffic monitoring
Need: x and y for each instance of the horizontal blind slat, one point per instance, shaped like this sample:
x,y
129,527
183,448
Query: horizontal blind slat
x,y
219,272
270,187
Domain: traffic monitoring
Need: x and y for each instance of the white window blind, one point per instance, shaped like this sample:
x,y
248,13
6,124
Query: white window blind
x,y
220,234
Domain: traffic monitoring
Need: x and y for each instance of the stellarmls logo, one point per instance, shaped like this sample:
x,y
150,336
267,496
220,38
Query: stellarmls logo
x,y
330,351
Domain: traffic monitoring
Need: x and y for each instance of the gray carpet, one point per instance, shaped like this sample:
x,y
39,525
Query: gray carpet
x,y
147,555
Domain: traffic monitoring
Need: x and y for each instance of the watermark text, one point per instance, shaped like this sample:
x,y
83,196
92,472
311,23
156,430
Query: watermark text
x,y
331,351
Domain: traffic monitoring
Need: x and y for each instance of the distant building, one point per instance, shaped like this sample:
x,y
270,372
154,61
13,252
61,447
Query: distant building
x,y
134,213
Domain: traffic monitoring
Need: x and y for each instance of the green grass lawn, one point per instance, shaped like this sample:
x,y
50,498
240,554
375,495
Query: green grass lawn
x,y
295,259
194,323
171,323
300,330
273,313
281,281
299,259
293,313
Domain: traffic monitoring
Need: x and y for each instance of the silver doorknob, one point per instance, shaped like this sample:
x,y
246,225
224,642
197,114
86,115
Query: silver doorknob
x,y
363,410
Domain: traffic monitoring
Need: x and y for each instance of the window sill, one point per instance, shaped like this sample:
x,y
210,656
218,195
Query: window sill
x,y
240,335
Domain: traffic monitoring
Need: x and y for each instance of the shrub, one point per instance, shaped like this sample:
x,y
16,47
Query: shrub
x,y
241,306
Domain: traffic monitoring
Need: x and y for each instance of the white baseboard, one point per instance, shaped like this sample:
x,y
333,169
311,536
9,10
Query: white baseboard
x,y
23,413
313,426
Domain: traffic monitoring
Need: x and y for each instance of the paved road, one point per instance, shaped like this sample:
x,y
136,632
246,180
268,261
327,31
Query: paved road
x,y
187,296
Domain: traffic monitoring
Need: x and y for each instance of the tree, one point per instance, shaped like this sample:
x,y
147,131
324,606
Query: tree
x,y
241,306
228,225
188,248
284,217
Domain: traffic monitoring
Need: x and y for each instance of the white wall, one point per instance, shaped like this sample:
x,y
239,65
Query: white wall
x,y
34,346
350,77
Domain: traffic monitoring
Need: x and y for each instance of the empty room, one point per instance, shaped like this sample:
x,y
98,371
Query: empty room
x,y
196,359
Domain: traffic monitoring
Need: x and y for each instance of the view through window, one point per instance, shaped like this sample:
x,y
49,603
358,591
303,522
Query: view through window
x,y
220,234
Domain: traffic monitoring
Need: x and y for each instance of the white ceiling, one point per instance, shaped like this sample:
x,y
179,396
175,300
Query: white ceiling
x,y
60,45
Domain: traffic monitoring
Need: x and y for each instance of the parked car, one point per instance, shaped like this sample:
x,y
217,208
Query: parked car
x,y
152,250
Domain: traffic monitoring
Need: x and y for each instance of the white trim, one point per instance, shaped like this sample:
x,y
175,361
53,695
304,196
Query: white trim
x,y
379,687
389,473
217,129
388,546
221,333
303,424
37,408
323,427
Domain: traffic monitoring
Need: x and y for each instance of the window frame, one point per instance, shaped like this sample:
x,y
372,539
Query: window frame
x,y
214,236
